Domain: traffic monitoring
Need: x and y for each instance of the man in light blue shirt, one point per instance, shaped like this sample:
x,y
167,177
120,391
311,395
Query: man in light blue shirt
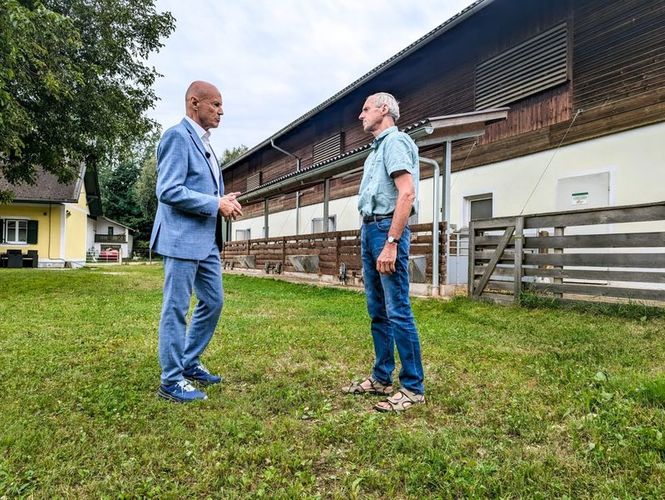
x,y
386,200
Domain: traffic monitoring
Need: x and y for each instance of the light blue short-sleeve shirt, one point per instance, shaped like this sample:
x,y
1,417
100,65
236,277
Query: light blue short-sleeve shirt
x,y
392,151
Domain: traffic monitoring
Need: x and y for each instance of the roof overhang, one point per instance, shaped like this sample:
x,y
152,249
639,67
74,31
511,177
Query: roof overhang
x,y
427,132
450,128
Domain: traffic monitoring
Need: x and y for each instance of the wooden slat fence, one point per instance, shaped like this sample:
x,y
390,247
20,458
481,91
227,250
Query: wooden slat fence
x,y
333,249
533,252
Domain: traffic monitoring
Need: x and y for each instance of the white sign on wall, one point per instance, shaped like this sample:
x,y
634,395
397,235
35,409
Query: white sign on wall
x,y
580,198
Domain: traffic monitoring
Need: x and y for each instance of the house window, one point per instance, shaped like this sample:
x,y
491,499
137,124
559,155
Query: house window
x,y
243,234
478,207
110,231
16,231
540,63
317,224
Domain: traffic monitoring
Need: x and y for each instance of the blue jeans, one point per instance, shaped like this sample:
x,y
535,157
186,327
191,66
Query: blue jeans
x,y
389,308
180,347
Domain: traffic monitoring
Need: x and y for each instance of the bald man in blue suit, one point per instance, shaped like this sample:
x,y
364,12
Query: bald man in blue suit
x,y
187,233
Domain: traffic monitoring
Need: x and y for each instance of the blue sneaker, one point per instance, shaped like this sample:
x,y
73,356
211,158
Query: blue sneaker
x,y
202,375
181,392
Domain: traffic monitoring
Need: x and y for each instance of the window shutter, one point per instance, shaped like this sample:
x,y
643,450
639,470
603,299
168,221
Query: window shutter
x,y
254,181
328,149
32,231
2,230
538,64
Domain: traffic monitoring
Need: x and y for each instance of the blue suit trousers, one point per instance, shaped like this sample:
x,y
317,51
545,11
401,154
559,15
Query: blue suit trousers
x,y
180,347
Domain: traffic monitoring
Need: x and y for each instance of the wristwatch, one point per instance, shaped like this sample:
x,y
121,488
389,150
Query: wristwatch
x,y
392,239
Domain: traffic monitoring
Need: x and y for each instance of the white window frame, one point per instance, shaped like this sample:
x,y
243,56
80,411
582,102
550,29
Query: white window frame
x,y
246,234
16,231
467,205
332,223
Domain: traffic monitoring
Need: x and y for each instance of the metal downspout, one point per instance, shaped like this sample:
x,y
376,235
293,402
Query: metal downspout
x,y
272,143
326,203
436,210
446,187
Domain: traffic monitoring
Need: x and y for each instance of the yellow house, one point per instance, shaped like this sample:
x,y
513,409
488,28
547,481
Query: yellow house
x,y
49,218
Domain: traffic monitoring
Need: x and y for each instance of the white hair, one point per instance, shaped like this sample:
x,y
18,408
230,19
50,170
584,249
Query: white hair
x,y
389,100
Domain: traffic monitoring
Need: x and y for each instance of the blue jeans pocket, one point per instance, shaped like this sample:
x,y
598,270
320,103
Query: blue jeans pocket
x,y
384,225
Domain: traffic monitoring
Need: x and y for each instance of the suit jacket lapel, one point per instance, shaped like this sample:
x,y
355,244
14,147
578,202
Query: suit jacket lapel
x,y
199,145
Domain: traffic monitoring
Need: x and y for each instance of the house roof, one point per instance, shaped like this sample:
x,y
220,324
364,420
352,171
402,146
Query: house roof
x,y
428,131
427,38
48,189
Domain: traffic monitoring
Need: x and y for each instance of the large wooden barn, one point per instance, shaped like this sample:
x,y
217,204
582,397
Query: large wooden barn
x,y
583,82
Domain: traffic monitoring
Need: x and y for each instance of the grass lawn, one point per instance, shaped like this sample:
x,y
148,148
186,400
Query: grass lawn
x,y
522,402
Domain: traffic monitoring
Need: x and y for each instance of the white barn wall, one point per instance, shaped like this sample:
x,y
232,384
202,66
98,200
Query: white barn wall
x,y
632,158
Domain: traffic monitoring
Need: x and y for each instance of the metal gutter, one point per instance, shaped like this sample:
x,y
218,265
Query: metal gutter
x,y
424,40
328,168
304,176
275,146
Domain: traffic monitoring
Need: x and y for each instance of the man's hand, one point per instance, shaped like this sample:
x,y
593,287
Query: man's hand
x,y
385,264
229,206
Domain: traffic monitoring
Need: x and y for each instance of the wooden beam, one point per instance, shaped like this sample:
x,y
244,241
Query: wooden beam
x,y
600,291
646,260
517,278
625,240
606,216
495,259
591,274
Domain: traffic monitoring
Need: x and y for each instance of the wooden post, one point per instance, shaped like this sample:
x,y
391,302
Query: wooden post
x,y
519,249
472,258
444,245
338,244
283,252
558,231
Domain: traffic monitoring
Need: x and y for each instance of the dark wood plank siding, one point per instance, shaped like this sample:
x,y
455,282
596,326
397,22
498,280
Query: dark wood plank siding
x,y
618,82
619,50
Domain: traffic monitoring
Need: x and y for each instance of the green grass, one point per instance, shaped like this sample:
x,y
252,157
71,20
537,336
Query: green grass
x,y
534,402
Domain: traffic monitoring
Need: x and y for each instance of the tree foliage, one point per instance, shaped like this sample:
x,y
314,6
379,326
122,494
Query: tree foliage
x,y
74,86
128,187
231,154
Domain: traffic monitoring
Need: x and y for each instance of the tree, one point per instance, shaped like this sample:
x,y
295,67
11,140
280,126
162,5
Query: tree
x,y
146,185
231,154
73,84
128,187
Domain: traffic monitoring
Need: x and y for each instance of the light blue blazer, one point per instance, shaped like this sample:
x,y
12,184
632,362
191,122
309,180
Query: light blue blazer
x,y
186,225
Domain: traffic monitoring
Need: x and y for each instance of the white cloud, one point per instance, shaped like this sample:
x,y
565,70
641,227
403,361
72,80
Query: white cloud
x,y
275,60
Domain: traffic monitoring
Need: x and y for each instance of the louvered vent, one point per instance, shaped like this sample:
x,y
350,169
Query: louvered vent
x,y
327,149
531,67
254,181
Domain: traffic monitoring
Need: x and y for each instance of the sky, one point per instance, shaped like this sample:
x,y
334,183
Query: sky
x,y
274,60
